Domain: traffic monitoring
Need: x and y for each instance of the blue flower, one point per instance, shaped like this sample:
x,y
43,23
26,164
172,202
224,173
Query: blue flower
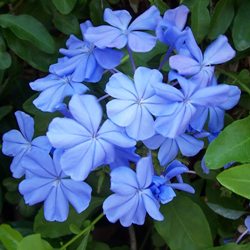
x,y
53,91
86,144
135,102
45,181
132,197
191,63
169,147
83,61
163,188
183,103
120,33
123,156
17,144
170,29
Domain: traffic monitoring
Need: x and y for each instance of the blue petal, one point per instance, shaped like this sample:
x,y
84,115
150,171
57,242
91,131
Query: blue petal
x,y
106,36
166,195
142,127
84,26
26,124
77,193
189,146
82,109
108,58
247,223
151,204
35,189
168,151
144,172
120,86
117,18
147,20
16,165
140,213
199,119
115,135
154,142
183,187
139,41
65,133
233,96
56,206
218,52
216,119
42,142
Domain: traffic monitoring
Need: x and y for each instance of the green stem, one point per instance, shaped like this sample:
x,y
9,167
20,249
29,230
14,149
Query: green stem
x,y
85,230
232,76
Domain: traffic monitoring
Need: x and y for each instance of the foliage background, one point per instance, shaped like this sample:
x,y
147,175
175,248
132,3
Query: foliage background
x,y
31,33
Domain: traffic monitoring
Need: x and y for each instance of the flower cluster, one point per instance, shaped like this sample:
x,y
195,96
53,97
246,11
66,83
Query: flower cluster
x,y
169,115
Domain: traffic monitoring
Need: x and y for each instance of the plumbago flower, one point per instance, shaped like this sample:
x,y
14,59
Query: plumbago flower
x,y
135,102
184,103
53,91
45,181
83,60
120,33
86,144
19,143
190,62
170,29
132,197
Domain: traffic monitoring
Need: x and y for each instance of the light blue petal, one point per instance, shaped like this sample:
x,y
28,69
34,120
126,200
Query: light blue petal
x,y
118,18
16,165
56,206
77,193
82,109
233,96
200,118
42,143
144,172
168,151
216,119
140,213
154,142
166,195
139,41
183,187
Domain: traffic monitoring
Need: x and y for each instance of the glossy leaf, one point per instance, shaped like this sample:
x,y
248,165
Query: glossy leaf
x,y
28,28
185,226
9,237
232,145
241,31
222,18
237,179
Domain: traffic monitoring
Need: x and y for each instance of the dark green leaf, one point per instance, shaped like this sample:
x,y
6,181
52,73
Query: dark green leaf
x,y
95,245
200,19
232,145
222,18
5,110
5,60
237,179
57,229
66,24
231,246
28,28
84,243
32,242
64,6
9,237
185,226
241,31
96,11
32,56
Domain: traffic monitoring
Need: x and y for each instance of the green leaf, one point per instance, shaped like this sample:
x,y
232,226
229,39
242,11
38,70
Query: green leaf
x,y
28,28
32,242
32,56
95,245
160,4
226,212
200,19
222,18
231,246
185,226
66,24
57,229
232,145
64,6
84,243
241,31
5,110
5,60
9,237
96,11
237,179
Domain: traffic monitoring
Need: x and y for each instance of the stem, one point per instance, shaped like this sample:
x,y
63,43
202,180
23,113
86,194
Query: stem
x,y
133,245
231,75
113,71
167,55
103,97
191,172
85,230
241,236
131,58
